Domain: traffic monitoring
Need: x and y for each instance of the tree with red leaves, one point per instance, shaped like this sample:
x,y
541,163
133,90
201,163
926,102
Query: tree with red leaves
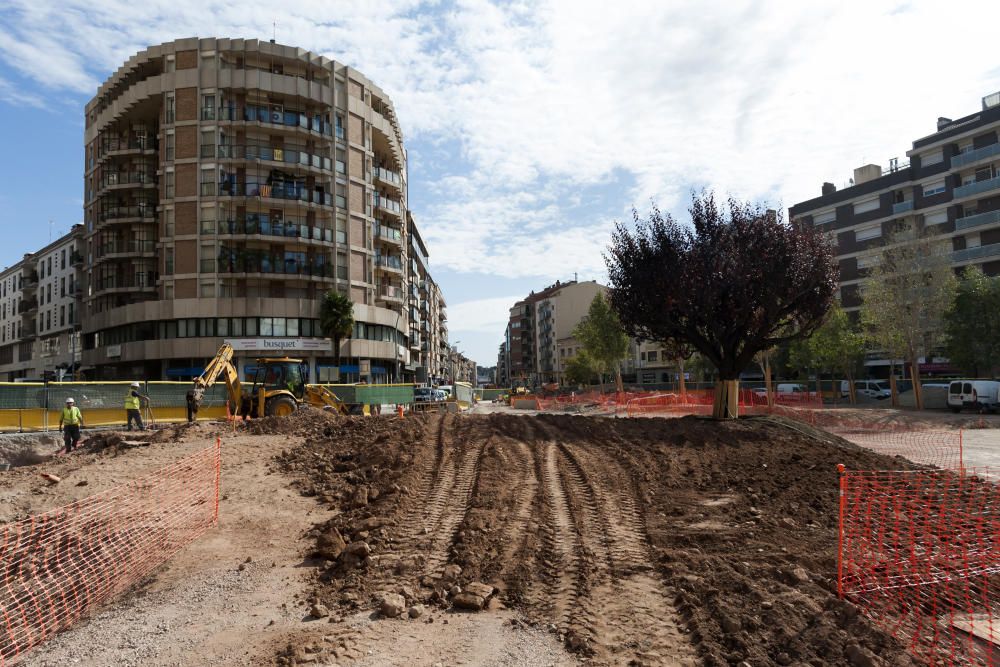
x,y
737,281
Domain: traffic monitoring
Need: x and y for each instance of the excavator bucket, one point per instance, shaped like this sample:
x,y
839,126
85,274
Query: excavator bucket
x,y
321,397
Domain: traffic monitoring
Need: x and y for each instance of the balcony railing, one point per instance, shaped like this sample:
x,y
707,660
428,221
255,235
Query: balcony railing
x,y
976,253
900,207
75,258
387,204
978,220
977,188
391,292
113,144
288,191
969,157
285,229
128,178
126,247
389,261
27,305
142,281
387,176
388,233
292,155
270,116
114,212
249,261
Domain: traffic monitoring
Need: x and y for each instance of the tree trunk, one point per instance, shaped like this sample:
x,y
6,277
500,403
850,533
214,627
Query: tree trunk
x,y
852,395
918,391
619,387
769,387
727,399
893,390
683,384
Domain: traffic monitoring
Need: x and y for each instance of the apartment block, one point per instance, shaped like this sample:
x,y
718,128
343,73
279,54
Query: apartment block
x,y
949,185
538,341
229,183
40,300
428,336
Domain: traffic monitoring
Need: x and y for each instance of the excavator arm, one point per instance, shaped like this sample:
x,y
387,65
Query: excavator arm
x,y
220,366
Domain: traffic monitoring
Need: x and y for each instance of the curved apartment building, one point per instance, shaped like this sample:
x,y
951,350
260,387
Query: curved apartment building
x,y
229,183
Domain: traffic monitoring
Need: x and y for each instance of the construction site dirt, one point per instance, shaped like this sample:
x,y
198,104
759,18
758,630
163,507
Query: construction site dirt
x,y
581,539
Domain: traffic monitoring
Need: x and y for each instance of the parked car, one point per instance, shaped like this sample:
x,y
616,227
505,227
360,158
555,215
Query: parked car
x,y
424,394
981,395
877,389
786,392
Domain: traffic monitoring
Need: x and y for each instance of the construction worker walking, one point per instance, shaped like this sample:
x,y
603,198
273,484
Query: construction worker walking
x,y
133,406
70,423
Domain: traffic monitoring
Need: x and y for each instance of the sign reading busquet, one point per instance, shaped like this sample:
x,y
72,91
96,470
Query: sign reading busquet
x,y
280,344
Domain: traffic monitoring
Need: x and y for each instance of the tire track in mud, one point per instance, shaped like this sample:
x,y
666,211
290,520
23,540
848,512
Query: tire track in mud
x,y
618,605
527,491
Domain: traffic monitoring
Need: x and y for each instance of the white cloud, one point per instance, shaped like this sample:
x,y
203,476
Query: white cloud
x,y
488,316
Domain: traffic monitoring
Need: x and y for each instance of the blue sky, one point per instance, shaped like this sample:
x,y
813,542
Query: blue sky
x,y
533,126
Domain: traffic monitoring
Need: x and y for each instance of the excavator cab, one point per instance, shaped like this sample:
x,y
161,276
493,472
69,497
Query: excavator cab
x,y
278,386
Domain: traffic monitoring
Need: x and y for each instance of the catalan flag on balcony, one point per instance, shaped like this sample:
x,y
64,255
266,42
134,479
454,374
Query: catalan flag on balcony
x,y
265,191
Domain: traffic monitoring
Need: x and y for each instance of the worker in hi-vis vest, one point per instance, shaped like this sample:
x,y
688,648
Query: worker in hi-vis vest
x,y
70,423
133,405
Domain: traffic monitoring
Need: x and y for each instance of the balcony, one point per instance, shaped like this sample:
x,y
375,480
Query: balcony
x,y
271,116
120,146
292,155
26,306
978,187
963,159
391,293
27,332
286,191
390,262
262,226
977,220
390,234
125,248
123,179
75,258
968,254
388,205
388,177
260,261
903,206
127,213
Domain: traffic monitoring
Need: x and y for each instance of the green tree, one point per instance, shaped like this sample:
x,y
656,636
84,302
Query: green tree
x,y
972,324
580,369
905,295
601,335
336,320
838,347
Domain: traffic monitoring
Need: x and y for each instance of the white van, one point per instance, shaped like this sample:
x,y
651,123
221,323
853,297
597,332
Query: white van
x,y
981,395
877,389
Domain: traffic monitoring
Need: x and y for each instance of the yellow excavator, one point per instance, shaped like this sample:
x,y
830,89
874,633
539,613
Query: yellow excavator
x,y
278,387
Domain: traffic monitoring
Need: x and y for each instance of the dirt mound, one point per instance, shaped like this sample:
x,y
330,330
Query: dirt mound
x,y
306,421
655,541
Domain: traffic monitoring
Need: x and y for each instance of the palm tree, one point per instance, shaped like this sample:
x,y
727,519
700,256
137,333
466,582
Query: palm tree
x,y
336,320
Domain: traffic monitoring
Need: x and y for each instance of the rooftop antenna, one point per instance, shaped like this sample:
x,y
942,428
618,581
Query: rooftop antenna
x,y
50,231
274,30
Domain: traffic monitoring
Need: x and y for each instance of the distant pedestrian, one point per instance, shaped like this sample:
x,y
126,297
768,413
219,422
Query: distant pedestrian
x,y
70,423
192,405
133,407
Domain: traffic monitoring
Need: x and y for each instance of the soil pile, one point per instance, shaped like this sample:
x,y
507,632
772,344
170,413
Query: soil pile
x,y
637,541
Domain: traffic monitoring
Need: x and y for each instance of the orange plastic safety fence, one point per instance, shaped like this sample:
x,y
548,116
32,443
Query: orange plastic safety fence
x,y
939,448
920,555
60,565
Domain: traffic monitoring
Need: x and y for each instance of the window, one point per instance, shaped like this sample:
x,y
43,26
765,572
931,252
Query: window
x,y
934,187
208,259
341,162
936,218
866,206
207,290
652,355
973,241
934,157
341,230
868,233
63,260
208,144
168,105
169,185
168,222
171,64
168,260
865,261
208,107
825,217
342,265
168,151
